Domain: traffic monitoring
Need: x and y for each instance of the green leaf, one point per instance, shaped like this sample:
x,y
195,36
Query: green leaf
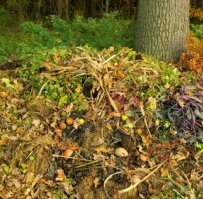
x,y
5,168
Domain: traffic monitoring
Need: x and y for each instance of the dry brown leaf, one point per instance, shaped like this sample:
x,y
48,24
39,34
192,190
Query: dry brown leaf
x,y
3,94
36,122
164,172
179,156
68,187
3,142
67,153
98,156
60,175
96,182
16,183
114,114
36,180
107,80
29,178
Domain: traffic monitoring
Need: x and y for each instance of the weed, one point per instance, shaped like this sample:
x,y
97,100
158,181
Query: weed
x,y
198,30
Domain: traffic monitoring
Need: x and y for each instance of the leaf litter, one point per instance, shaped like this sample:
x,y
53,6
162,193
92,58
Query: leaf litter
x,y
109,141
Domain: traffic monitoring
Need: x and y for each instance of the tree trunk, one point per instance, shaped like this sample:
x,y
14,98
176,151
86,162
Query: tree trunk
x,y
162,27
20,13
39,4
200,3
107,6
67,9
90,8
59,5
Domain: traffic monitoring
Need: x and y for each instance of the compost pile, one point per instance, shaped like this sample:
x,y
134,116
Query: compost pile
x,y
95,128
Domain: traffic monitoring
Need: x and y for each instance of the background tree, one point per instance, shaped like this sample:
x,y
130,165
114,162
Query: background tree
x,y
162,27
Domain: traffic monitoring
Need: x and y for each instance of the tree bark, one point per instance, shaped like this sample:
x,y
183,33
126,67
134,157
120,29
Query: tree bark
x,y
162,28
59,4
67,9
200,3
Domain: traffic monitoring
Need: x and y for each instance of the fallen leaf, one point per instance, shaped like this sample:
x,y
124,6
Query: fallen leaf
x,y
36,180
96,182
113,114
164,172
3,94
16,183
3,142
29,178
36,122
67,153
68,187
60,175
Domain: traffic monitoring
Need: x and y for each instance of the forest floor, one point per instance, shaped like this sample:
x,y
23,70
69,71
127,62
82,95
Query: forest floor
x,y
125,126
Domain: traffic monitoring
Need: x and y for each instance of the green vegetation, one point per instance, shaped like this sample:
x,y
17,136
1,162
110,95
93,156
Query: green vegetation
x,y
198,30
32,38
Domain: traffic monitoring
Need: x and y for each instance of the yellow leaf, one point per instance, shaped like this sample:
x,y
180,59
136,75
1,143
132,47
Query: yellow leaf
x,y
79,88
164,172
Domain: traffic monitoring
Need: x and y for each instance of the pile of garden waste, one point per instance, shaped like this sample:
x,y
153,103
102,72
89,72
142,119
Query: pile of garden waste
x,y
103,124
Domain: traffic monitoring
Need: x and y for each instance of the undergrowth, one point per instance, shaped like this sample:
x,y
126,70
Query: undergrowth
x,y
32,37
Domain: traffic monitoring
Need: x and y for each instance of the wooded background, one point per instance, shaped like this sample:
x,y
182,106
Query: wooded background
x,y
67,9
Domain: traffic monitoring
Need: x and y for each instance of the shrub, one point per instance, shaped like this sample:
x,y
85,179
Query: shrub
x,y
193,58
102,33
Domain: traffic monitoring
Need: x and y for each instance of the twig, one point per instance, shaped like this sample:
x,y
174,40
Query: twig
x,y
42,88
147,176
108,59
175,171
145,121
178,193
181,188
112,102
107,179
192,194
89,163
73,158
200,152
